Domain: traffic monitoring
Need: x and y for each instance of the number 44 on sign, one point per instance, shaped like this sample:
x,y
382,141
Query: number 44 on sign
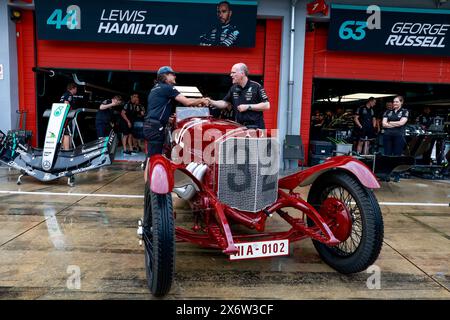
x,y
72,18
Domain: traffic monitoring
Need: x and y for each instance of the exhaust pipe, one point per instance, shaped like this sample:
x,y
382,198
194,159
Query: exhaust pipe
x,y
188,192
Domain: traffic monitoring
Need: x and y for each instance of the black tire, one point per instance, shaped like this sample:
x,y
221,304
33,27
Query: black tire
x,y
362,248
159,241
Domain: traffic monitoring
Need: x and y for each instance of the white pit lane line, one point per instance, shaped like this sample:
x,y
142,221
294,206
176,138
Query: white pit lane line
x,y
414,204
104,195
98,195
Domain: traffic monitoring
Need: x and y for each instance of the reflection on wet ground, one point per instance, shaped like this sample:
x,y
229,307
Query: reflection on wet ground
x,y
55,245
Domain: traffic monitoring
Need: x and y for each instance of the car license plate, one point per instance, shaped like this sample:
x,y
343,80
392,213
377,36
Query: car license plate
x,y
261,249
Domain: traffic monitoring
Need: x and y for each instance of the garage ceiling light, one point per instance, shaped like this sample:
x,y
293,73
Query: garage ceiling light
x,y
358,96
15,15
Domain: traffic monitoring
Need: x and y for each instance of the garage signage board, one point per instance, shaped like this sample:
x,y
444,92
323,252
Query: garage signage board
x,y
389,30
183,22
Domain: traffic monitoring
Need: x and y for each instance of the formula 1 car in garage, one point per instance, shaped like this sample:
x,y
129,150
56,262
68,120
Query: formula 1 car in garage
x,y
229,174
50,162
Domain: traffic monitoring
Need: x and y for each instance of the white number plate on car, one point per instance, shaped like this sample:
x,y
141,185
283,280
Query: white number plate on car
x,y
261,249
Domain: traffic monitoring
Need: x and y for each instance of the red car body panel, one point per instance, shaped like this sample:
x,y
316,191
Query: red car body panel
x,y
347,163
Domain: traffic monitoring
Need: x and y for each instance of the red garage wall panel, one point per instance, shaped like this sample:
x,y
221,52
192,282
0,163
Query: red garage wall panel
x,y
137,57
272,70
321,63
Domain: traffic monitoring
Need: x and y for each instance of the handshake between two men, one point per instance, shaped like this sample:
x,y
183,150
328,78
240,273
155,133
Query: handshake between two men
x,y
219,104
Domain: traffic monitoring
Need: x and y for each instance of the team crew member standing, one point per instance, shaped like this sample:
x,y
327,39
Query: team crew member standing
x,y
127,117
104,116
394,129
425,119
67,98
161,100
248,98
366,123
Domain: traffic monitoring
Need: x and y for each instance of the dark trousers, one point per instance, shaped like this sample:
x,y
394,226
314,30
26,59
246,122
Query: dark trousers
x,y
154,136
103,129
393,145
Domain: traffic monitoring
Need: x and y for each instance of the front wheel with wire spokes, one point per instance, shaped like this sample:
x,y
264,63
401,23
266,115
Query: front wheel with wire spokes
x,y
364,230
159,241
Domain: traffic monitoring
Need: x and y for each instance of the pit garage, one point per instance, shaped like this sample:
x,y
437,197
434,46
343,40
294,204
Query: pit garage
x,y
81,242
427,143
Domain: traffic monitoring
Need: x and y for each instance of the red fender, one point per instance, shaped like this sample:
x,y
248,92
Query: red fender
x,y
347,163
160,174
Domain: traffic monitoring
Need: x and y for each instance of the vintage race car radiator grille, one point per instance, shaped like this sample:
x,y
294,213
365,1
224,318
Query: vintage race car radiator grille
x,y
248,173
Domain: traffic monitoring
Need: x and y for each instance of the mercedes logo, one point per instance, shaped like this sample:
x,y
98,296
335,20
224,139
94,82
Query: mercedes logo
x,y
46,165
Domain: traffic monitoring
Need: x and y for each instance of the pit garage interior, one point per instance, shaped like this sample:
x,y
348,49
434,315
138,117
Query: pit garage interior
x,y
94,86
339,98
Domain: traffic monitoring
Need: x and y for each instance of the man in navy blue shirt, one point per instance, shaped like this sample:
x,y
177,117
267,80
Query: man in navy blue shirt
x,y
161,102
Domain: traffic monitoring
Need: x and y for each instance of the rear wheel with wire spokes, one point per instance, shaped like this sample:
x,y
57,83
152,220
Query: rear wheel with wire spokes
x,y
362,237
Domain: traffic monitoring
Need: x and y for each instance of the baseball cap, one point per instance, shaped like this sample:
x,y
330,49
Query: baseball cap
x,y
165,69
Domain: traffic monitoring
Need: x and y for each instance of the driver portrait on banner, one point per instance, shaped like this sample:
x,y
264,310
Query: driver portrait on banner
x,y
224,33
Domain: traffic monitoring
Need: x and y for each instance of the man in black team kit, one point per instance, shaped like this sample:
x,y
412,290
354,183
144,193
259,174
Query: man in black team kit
x,y
248,98
425,119
105,114
365,123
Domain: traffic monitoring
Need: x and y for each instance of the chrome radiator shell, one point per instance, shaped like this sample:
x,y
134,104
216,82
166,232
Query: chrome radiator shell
x,y
248,171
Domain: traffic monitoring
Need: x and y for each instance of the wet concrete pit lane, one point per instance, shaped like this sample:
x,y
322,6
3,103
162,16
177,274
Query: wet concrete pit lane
x,y
58,242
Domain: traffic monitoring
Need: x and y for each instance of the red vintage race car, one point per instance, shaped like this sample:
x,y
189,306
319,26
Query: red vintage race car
x,y
229,173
